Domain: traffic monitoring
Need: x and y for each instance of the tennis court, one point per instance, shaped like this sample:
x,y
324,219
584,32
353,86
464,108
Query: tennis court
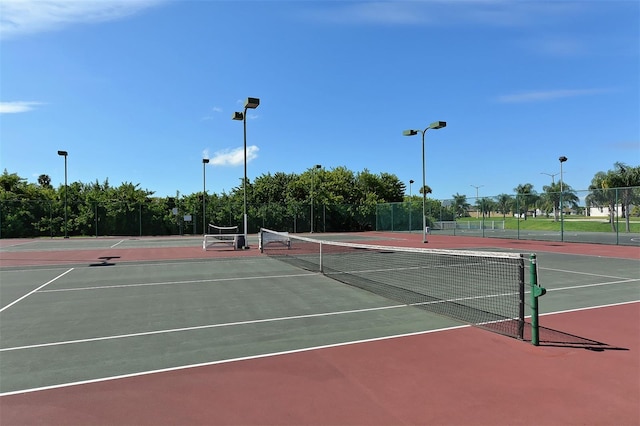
x,y
159,331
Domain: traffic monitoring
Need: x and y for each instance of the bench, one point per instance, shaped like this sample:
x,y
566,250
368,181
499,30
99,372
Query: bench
x,y
279,238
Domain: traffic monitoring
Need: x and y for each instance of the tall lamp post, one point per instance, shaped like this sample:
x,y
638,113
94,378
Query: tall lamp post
x,y
410,202
313,174
205,161
477,198
562,159
553,182
249,103
435,125
64,154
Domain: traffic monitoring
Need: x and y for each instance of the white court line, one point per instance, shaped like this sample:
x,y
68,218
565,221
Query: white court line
x,y
109,287
33,291
582,273
139,263
17,244
624,281
119,242
210,326
226,361
200,327
567,311
272,354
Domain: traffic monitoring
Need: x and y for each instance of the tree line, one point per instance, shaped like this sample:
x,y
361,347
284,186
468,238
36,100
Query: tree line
x,y
282,200
344,200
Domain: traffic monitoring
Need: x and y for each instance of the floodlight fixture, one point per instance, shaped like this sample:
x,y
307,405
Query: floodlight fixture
x,y
252,103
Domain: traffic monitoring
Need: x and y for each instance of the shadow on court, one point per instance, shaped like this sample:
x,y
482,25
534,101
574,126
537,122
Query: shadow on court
x,y
556,338
105,261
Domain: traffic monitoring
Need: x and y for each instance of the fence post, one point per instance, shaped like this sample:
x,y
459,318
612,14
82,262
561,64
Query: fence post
x,y
617,218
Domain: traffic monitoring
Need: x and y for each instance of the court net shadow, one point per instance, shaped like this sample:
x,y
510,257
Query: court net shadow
x,y
557,338
105,261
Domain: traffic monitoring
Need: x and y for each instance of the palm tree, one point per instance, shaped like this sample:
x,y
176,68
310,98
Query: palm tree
x,y
617,186
487,206
505,201
552,196
525,197
44,181
426,190
624,177
601,196
460,205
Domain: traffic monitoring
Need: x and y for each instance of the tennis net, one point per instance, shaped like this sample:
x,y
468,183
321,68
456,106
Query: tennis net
x,y
485,289
214,229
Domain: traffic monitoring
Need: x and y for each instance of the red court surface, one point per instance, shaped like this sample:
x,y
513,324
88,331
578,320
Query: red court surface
x,y
456,377
27,258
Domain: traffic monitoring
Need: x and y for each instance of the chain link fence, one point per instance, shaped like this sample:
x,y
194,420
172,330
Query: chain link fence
x,y
608,216
44,218
604,216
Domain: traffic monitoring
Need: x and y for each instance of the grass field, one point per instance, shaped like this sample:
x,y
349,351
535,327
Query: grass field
x,y
573,223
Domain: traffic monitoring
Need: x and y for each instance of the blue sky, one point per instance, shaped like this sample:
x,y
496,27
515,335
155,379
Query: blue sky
x,y
141,90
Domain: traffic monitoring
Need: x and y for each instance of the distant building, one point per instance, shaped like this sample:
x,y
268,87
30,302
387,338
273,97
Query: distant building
x,y
604,211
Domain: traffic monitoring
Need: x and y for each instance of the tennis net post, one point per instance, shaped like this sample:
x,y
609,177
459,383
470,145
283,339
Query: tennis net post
x,y
536,292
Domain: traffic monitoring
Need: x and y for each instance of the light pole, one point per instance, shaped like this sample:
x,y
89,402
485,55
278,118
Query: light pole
x,y
553,176
249,103
313,174
435,125
64,154
562,159
553,182
410,203
477,198
205,161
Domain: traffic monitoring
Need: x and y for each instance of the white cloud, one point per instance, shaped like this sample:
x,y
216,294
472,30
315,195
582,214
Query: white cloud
x,y
17,107
548,95
501,13
214,110
20,17
371,13
234,157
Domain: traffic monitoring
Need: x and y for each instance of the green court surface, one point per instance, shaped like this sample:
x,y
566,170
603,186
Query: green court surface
x,y
76,323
